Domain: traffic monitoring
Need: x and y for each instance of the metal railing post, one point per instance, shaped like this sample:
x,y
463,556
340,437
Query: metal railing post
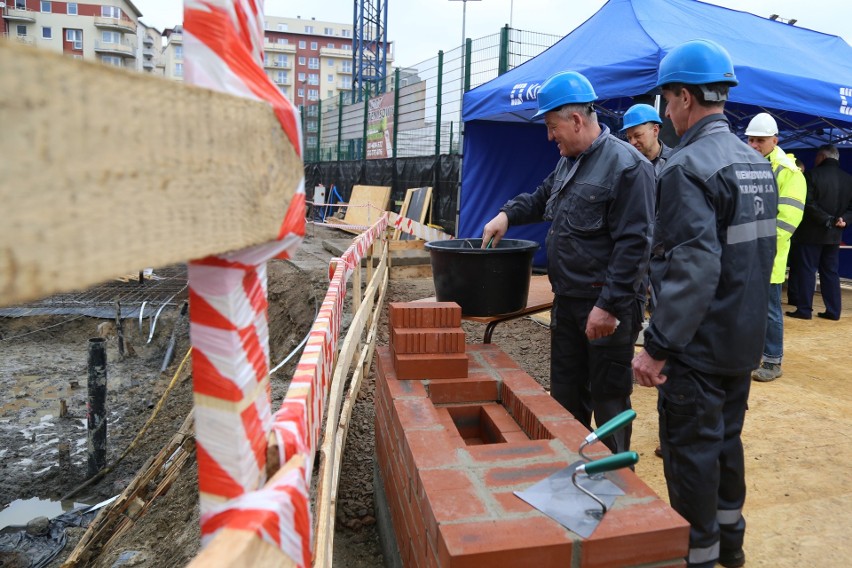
x,y
395,110
468,49
503,63
438,104
339,123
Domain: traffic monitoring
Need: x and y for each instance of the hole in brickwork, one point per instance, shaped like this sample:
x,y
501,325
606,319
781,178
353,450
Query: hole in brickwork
x,y
475,425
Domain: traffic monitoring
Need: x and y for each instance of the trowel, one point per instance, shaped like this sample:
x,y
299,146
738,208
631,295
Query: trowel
x,y
578,496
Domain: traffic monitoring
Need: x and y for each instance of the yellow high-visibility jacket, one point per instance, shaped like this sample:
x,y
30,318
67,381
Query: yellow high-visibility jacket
x,y
792,190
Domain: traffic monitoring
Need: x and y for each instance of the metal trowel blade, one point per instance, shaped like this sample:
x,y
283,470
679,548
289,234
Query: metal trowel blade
x,y
558,498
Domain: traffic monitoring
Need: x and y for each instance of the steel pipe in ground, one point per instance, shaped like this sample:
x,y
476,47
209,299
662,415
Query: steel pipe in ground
x,y
96,419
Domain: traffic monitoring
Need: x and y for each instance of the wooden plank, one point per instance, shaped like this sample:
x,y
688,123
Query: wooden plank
x,y
366,204
403,211
120,170
403,272
330,452
406,245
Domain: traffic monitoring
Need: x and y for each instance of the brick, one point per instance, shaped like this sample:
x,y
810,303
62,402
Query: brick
x,y
501,419
426,366
515,437
526,450
430,448
519,381
414,414
472,389
522,475
633,533
570,432
496,544
428,340
424,314
512,504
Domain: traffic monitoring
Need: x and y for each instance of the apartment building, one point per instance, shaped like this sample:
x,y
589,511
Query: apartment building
x,y
107,31
310,60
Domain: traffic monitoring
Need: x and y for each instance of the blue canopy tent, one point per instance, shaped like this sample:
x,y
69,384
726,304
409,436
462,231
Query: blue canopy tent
x,y
803,77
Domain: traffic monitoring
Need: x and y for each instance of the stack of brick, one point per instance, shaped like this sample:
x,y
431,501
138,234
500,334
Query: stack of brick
x,y
427,340
451,452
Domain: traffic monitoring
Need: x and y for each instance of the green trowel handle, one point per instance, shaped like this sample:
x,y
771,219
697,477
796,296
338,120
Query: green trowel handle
x,y
616,424
618,461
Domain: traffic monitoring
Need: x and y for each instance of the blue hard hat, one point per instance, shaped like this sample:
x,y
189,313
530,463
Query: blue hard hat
x,y
640,114
697,62
564,88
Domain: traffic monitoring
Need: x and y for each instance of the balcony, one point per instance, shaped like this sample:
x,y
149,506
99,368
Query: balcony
x,y
175,37
148,64
119,24
345,70
344,86
148,41
279,47
20,15
285,82
332,52
123,49
273,64
148,51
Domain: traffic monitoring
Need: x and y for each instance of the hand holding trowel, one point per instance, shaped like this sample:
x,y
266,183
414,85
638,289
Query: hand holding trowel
x,y
576,497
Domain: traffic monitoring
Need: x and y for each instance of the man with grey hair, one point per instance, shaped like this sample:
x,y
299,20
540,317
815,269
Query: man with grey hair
x,y
599,200
816,242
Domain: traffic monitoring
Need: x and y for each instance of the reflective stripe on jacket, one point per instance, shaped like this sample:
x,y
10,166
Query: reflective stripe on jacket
x,y
792,190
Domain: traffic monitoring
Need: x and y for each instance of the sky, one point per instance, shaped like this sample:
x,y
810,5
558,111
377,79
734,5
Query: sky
x,y
420,28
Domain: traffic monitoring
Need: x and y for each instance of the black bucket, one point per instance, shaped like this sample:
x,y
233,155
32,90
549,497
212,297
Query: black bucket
x,y
484,282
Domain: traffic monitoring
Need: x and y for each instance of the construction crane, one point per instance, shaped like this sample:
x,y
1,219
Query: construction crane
x,y
369,48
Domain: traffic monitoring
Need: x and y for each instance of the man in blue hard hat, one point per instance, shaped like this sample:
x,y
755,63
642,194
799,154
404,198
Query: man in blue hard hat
x,y
599,200
714,245
642,128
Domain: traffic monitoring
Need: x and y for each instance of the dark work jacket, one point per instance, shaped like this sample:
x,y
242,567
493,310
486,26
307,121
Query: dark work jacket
x,y
714,244
829,197
662,158
601,207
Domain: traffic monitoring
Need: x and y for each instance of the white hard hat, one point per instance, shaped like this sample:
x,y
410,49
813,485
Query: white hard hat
x,y
762,125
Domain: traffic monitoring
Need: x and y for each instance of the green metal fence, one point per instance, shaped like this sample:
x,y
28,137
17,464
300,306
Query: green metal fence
x,y
417,112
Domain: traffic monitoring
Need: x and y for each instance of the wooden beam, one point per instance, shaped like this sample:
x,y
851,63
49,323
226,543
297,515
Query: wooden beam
x,y
107,171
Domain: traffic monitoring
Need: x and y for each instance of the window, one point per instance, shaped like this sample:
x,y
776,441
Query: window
x,y
328,31
312,142
111,60
72,8
347,33
313,110
314,45
301,77
346,83
347,47
110,37
313,63
309,29
331,45
76,56
111,12
313,94
75,37
329,93
282,41
346,67
331,62
178,52
301,93
330,78
280,76
178,69
46,6
313,79
302,44
282,27
301,61
312,126
21,30
46,32
280,60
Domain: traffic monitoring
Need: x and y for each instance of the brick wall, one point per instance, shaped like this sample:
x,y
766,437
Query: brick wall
x,y
451,451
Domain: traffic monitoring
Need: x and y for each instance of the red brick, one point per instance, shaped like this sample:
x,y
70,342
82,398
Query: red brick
x,y
522,475
496,544
519,381
526,450
570,432
425,366
424,314
431,448
501,419
415,414
497,359
518,437
428,340
633,533
512,504
472,389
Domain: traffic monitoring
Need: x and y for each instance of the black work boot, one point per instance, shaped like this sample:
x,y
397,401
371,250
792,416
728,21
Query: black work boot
x,y
732,558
